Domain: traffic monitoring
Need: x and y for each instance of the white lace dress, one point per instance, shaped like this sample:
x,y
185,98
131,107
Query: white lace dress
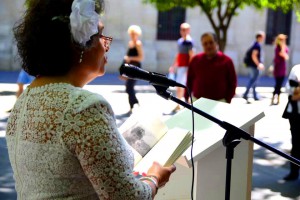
x,y
63,143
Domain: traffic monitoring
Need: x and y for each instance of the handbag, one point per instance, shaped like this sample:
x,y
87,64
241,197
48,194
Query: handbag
x,y
294,104
286,114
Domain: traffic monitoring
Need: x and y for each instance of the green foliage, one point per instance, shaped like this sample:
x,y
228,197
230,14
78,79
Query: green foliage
x,y
284,5
221,12
163,5
208,5
27,3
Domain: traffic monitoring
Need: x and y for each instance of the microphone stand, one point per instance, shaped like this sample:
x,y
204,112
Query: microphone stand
x,y
231,139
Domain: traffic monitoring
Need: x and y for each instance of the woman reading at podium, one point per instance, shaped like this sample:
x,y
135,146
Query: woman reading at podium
x,y
62,140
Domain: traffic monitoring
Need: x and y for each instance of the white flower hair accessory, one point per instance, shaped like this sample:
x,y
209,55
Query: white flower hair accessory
x,y
84,20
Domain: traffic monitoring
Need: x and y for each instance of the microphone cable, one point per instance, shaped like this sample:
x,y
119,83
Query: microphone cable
x,y
192,145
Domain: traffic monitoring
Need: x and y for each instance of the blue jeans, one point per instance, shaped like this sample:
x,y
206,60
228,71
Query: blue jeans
x,y
254,74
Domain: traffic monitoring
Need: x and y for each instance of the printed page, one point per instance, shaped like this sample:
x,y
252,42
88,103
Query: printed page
x,y
142,132
167,150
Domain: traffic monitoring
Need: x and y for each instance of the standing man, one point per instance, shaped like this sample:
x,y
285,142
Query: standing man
x,y
183,57
254,64
211,74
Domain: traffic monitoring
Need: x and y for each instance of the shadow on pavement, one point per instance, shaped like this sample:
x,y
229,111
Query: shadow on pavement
x,y
7,183
3,122
7,93
268,171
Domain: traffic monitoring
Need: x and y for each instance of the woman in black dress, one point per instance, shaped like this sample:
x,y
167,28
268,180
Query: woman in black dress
x,y
134,57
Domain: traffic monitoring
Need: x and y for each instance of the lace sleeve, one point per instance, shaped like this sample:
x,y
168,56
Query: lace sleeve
x,y
92,136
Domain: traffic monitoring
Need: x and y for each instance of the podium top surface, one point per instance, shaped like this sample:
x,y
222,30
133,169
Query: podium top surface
x,y
208,134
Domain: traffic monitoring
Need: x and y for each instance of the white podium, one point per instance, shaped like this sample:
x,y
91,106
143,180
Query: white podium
x,y
209,154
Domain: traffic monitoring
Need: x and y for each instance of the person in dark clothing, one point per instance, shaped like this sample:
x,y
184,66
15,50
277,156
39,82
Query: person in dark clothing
x,y
134,57
292,113
254,65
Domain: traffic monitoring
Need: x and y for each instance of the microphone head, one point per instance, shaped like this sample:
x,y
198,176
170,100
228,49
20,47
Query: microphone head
x,y
134,72
127,68
121,69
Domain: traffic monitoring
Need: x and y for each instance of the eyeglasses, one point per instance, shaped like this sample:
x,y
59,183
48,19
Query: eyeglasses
x,y
107,41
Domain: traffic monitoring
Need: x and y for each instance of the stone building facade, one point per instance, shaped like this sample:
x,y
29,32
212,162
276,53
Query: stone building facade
x,y
9,13
159,54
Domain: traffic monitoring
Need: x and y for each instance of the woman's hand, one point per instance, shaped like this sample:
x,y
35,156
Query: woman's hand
x,y
161,173
283,52
172,69
127,59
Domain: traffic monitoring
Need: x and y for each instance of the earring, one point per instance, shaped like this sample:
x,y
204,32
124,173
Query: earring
x,y
81,55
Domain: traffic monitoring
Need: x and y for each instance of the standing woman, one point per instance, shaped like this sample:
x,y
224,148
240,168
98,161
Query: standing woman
x,y
292,113
63,141
281,56
134,57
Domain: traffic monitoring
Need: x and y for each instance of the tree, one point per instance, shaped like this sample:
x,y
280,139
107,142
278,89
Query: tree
x,y
221,12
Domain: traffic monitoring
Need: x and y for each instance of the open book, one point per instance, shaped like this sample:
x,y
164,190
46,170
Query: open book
x,y
151,140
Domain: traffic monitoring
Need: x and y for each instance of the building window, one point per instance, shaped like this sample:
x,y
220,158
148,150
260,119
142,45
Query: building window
x,y
169,23
278,22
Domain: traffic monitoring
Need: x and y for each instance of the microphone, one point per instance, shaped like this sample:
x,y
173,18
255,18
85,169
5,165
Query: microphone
x,y
154,78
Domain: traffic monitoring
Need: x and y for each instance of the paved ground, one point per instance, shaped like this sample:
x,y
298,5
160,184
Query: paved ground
x,y
268,169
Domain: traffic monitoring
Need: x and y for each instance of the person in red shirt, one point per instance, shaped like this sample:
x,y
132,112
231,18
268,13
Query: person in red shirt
x,y
211,74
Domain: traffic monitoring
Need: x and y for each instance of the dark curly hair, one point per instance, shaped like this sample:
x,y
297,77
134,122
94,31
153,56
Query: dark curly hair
x,y
44,39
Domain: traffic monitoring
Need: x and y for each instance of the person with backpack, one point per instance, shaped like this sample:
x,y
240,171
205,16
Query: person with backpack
x,y
253,61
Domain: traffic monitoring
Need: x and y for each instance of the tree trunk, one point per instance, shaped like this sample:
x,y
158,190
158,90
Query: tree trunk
x,y
220,31
222,38
224,14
